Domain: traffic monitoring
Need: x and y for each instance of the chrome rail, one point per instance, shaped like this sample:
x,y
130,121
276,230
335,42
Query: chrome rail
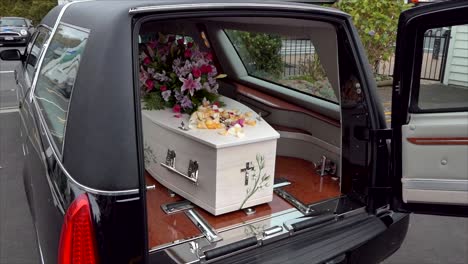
x,y
192,179
203,226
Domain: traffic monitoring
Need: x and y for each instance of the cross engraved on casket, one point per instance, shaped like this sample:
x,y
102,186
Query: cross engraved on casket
x,y
248,167
170,158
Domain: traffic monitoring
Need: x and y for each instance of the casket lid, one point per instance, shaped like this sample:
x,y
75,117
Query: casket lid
x,y
262,131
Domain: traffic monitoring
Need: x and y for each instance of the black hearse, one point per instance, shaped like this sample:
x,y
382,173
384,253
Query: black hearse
x,y
92,200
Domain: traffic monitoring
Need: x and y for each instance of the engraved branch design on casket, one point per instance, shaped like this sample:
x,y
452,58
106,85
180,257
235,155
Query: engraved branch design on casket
x,y
149,155
259,177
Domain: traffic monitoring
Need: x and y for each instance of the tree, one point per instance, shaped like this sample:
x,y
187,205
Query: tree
x,y
260,52
32,9
376,22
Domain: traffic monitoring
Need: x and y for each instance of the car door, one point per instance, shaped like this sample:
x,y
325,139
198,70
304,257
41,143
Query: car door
x,y
430,117
24,78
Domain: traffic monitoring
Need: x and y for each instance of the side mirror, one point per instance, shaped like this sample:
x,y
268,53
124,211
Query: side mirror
x,y
11,55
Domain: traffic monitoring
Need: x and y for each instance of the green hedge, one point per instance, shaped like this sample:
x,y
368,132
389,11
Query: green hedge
x,y
32,9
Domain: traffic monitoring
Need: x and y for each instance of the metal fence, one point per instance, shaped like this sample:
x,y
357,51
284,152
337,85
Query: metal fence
x,y
298,53
436,43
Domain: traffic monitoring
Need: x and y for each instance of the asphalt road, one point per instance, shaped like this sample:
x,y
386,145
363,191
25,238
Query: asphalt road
x,y
17,235
431,239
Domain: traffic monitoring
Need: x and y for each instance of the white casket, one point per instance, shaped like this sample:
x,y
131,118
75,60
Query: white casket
x,y
220,173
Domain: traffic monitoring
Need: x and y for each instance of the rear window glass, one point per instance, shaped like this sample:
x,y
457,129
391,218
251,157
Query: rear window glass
x,y
444,70
57,77
289,61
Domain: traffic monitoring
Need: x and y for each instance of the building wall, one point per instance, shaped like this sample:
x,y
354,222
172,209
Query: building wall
x,y
456,71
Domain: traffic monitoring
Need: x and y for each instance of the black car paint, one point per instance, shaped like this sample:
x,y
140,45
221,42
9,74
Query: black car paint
x,y
95,159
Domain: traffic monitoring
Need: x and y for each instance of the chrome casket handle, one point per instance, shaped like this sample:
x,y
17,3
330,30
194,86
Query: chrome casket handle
x,y
192,172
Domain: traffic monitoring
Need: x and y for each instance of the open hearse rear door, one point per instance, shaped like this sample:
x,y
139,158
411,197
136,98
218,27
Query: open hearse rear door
x,y
430,110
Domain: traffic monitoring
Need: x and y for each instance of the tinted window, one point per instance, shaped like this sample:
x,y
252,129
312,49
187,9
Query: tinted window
x,y
444,71
12,22
288,61
57,77
35,52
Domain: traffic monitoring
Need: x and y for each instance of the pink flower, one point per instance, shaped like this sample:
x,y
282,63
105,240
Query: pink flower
x,y
187,53
147,61
163,88
190,45
149,84
196,72
190,84
209,56
179,115
216,103
153,44
171,39
180,41
176,108
206,69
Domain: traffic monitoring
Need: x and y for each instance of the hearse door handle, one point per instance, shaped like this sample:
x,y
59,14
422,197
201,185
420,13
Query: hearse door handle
x,y
150,187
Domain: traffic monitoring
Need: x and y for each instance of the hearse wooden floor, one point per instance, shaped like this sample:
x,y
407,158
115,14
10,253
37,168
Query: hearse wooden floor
x,y
306,185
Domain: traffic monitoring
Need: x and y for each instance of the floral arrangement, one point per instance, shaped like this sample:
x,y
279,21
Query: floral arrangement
x,y
175,73
211,116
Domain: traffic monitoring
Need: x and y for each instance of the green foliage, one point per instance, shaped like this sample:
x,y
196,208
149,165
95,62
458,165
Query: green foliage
x,y
32,9
153,101
260,52
312,68
376,22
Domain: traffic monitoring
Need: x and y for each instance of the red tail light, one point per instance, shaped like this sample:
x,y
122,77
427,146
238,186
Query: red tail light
x,y
77,240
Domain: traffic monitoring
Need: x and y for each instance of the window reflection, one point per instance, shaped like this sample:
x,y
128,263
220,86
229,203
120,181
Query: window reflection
x,y
57,77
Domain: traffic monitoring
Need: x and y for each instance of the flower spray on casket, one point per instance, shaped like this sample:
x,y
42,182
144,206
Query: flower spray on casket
x,y
175,74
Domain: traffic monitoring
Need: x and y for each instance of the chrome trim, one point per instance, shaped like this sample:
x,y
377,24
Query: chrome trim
x,y
203,226
176,207
223,6
272,231
175,243
39,244
7,110
259,219
281,184
293,201
9,33
194,179
85,188
436,184
128,200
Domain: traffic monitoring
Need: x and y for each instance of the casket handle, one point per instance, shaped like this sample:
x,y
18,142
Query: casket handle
x,y
192,173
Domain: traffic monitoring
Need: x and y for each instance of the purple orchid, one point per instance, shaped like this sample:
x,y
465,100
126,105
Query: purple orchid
x,y
178,96
166,95
161,77
186,103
